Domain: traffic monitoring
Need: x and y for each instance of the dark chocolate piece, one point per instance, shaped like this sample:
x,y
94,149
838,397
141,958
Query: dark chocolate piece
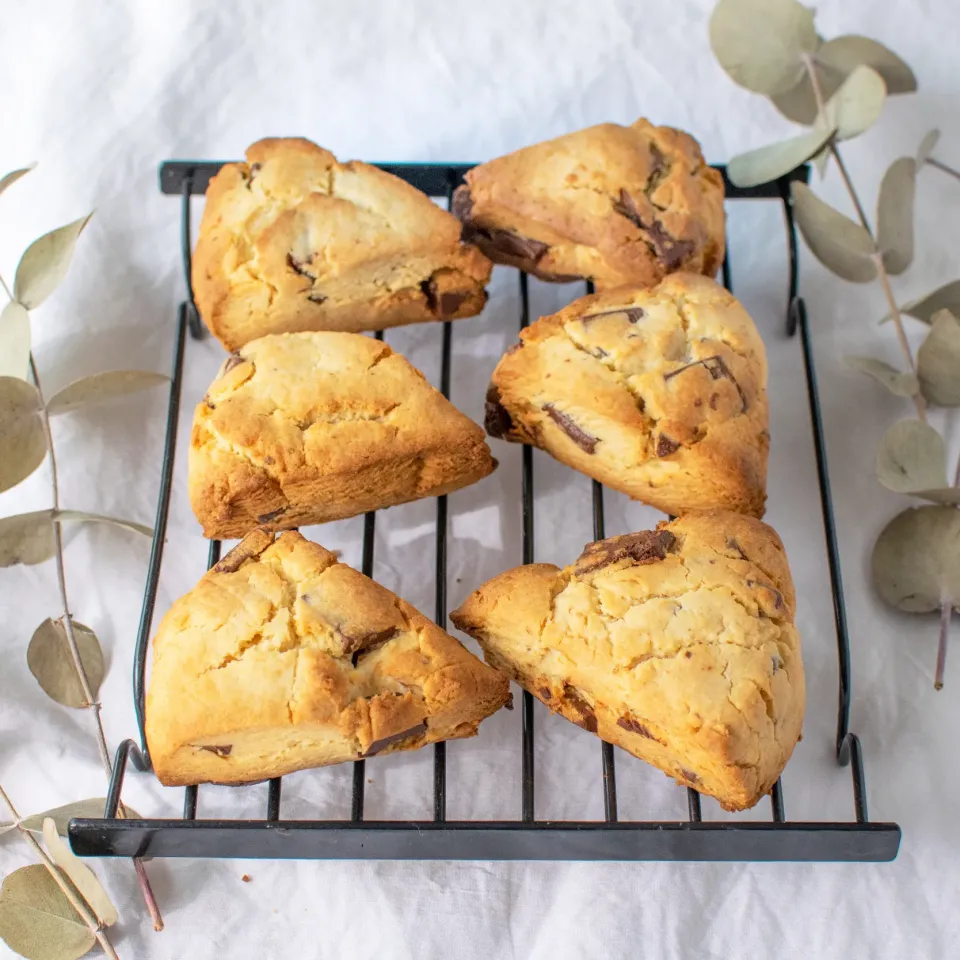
x,y
444,304
300,266
462,204
777,663
666,445
634,314
272,515
627,207
247,549
688,776
316,297
647,546
777,596
733,544
359,647
379,745
718,370
220,750
585,441
669,250
234,360
496,418
585,717
634,726
252,172
660,166
546,693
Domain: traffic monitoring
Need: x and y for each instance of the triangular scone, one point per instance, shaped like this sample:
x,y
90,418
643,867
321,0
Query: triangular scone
x,y
612,204
301,428
281,658
677,644
659,393
294,240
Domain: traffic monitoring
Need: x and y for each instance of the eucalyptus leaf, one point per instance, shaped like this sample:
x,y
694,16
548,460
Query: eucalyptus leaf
x,y
836,241
895,214
49,660
26,538
83,516
14,341
897,382
775,160
82,877
62,816
856,105
820,162
103,386
912,457
938,361
37,920
7,826
946,297
916,559
799,103
760,42
23,443
9,179
846,53
926,147
45,263
940,495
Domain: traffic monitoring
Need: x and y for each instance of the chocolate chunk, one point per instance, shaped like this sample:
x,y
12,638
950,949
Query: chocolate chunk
x,y
714,397
777,596
252,173
220,750
568,425
379,745
300,266
584,715
647,546
777,663
234,360
688,776
444,304
733,544
634,726
634,314
545,693
688,654
451,302
505,244
659,167
496,418
666,445
359,647
272,515
718,370
627,207
315,297
251,546
462,204
269,460
513,348
669,250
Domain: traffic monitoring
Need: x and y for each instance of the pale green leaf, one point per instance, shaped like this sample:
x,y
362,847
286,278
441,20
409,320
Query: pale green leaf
x,y
45,263
940,495
844,54
7,826
82,877
895,214
926,147
37,920
820,162
61,816
836,241
14,341
773,161
26,538
83,516
49,660
760,42
946,297
912,457
938,361
856,105
897,382
103,386
23,443
9,179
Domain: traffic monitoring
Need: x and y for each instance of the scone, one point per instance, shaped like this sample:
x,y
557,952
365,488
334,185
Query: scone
x,y
659,393
677,644
293,240
301,428
616,205
281,658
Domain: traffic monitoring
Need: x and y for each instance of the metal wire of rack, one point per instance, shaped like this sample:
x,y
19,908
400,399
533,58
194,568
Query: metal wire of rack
x,y
527,838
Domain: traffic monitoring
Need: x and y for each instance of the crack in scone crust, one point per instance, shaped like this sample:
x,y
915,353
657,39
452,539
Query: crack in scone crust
x,y
285,658
294,240
658,393
686,656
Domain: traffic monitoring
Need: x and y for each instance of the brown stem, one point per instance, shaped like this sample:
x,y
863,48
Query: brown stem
x,y
78,904
844,173
946,611
943,167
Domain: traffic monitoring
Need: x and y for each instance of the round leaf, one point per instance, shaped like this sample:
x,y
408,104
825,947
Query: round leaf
x,y
777,159
38,921
760,42
836,241
9,179
857,104
26,538
799,103
82,877
49,660
895,214
912,457
83,516
938,361
14,341
898,383
844,54
62,816
916,559
103,386
23,444
926,147
946,297
45,263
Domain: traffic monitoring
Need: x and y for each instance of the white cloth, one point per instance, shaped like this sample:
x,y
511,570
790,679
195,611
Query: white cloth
x,y
99,94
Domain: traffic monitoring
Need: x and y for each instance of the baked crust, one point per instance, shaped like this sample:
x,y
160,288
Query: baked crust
x,y
293,240
616,205
303,428
659,393
678,645
282,658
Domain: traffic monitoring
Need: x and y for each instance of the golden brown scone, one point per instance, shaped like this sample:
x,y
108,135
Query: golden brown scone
x,y
611,204
302,428
678,645
281,658
660,394
293,240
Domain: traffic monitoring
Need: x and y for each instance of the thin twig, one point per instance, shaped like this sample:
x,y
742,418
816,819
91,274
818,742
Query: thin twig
x,y
78,904
946,611
6,289
942,166
861,214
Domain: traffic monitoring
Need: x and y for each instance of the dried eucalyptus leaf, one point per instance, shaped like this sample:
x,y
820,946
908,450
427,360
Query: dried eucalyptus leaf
x,y
912,457
836,241
897,382
83,516
26,538
926,147
916,559
103,386
49,660
45,263
895,214
759,42
938,361
946,297
37,920
773,161
820,162
82,877
7,826
9,179
844,54
857,104
799,103
14,341
940,495
61,816
23,444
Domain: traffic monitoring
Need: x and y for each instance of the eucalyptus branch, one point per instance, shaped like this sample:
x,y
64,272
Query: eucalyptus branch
x,y
946,611
77,902
942,166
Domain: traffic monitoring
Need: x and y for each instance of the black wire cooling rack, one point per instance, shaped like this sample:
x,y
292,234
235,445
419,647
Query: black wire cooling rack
x,y
525,838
